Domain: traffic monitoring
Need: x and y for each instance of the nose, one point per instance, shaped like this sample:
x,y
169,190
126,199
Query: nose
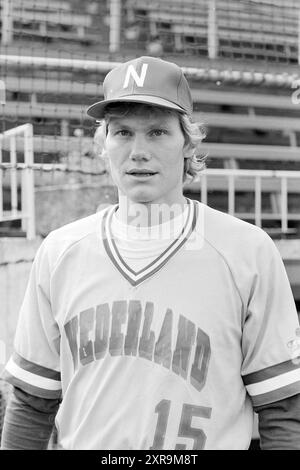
x,y
139,149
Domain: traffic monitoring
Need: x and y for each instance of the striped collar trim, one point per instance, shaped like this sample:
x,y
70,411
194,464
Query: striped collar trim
x,y
137,277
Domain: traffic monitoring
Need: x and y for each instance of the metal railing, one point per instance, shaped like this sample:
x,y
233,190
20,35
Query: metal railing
x,y
27,211
280,183
258,181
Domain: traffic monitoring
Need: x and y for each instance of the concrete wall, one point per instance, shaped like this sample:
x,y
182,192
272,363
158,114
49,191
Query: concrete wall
x,y
69,199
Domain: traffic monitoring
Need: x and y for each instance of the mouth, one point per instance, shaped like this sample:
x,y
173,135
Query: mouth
x,y
141,173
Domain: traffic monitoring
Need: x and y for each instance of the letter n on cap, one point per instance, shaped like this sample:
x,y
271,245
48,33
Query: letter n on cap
x,y
131,72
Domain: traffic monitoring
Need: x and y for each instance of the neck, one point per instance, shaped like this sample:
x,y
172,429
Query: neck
x,y
148,214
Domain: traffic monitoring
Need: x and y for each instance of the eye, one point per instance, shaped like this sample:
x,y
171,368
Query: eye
x,y
158,132
122,133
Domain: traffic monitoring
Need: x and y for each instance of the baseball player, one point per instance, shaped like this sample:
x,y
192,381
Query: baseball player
x,y
156,323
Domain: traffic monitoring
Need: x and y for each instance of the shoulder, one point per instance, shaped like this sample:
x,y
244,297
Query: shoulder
x,y
78,229
239,243
246,250
225,231
59,241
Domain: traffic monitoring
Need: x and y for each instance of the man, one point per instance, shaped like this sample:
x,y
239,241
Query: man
x,y
159,323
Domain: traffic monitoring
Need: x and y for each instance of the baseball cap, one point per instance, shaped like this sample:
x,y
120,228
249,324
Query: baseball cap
x,y
146,80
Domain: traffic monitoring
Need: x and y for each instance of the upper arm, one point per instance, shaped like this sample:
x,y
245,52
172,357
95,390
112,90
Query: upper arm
x,y
35,364
270,370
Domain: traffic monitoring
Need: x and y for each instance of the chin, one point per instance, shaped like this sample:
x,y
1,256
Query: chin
x,y
144,200
141,198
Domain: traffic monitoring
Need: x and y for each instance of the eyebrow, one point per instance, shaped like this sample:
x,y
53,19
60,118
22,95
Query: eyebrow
x,y
117,122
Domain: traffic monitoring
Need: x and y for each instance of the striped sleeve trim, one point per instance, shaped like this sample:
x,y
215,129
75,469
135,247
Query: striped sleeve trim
x,y
270,388
30,381
35,368
272,371
36,391
276,395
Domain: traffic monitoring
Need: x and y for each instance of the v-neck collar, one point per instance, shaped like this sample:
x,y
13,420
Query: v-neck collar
x,y
137,277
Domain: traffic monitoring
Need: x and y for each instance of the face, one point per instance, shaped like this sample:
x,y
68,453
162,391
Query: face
x,y
146,156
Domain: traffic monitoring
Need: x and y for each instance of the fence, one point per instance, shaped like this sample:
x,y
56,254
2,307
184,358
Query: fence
x,y
250,108
26,212
279,182
50,83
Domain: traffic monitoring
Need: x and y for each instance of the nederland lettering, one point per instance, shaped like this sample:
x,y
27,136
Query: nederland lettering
x,y
125,330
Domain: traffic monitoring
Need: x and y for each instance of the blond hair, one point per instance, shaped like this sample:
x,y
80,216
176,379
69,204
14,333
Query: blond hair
x,y
193,133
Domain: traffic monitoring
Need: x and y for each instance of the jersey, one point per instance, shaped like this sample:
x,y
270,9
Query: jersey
x,y
173,356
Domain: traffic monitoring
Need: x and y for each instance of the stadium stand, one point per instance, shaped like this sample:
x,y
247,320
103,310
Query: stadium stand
x,y
244,28
46,19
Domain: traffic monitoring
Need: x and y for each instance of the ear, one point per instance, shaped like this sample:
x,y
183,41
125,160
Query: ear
x,y
100,141
188,151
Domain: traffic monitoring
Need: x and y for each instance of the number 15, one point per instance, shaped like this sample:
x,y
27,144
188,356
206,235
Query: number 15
x,y
185,428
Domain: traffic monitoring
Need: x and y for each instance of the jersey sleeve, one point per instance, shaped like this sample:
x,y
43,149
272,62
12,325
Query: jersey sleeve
x,y
35,365
270,340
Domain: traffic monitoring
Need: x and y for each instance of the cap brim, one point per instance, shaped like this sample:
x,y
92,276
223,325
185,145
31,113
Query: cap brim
x,y
97,109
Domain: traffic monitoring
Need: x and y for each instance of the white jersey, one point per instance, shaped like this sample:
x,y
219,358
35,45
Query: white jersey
x,y
172,356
